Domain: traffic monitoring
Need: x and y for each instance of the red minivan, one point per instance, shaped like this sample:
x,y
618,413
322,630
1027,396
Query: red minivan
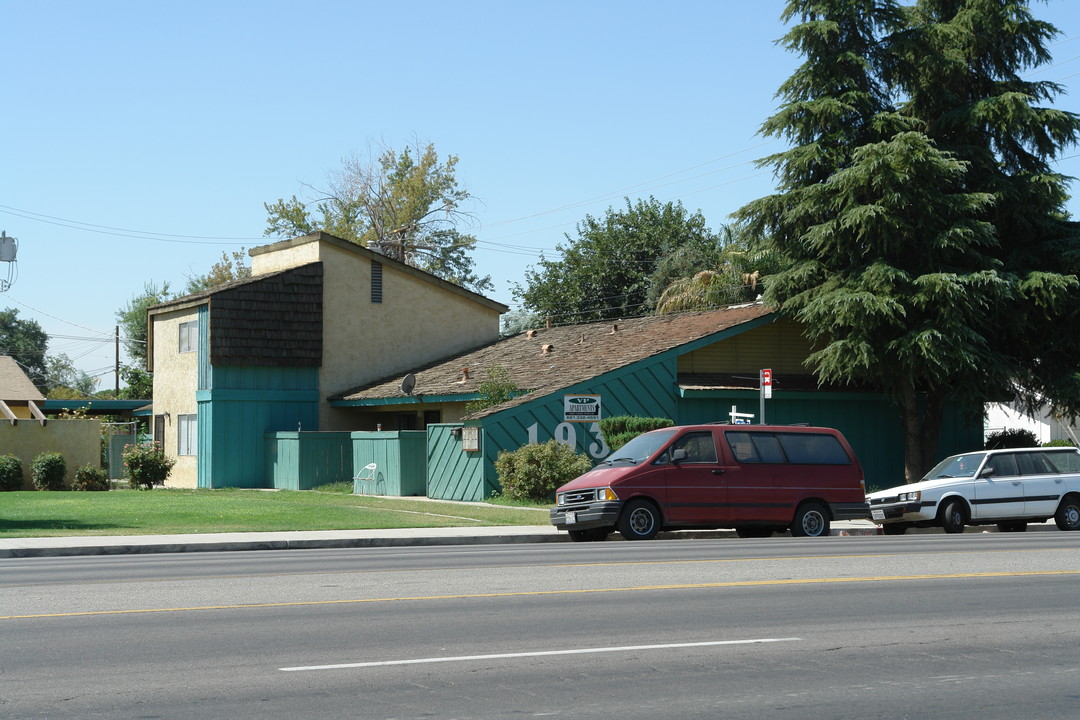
x,y
758,479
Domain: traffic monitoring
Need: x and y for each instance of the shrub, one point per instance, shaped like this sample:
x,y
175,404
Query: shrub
x,y
47,471
534,471
147,465
621,429
11,473
90,477
1010,438
1060,442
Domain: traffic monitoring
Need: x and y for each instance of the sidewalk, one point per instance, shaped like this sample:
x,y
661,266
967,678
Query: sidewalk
x,y
403,537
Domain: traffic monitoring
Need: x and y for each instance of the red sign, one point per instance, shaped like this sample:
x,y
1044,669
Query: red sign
x,y
766,383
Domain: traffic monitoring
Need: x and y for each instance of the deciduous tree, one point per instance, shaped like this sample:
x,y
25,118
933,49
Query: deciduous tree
x,y
605,272
407,205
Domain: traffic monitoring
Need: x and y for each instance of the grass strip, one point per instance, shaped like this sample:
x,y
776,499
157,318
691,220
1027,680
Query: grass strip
x,y
166,512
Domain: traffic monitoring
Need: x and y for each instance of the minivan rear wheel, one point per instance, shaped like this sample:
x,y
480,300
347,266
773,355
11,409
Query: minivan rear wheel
x,y
640,520
811,520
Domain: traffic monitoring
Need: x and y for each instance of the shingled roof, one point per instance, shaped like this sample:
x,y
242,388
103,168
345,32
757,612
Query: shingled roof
x,y
546,360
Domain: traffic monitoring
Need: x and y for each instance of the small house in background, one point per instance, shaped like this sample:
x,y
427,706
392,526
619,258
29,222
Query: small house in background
x,y
233,365
19,398
25,432
1044,425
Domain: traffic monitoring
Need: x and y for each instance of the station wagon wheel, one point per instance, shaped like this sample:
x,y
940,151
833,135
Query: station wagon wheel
x,y
811,520
1067,516
640,520
953,516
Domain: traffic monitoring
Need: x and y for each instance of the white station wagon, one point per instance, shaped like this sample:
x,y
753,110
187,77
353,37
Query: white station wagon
x,y
1008,488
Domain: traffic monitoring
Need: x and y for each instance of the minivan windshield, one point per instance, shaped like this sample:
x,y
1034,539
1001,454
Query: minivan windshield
x,y
640,448
957,466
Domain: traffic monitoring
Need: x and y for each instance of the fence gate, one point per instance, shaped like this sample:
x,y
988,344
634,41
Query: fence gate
x,y
117,436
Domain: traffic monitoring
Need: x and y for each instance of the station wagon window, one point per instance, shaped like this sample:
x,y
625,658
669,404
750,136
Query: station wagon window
x,y
1004,465
1066,461
1033,464
699,447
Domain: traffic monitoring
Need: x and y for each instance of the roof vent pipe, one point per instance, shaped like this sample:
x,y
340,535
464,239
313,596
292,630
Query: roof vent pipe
x,y
547,349
464,373
614,329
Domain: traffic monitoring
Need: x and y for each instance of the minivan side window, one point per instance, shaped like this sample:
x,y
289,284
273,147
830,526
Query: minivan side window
x,y
811,449
699,447
755,447
796,448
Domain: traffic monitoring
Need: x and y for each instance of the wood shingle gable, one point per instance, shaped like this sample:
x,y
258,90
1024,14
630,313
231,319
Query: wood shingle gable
x,y
273,320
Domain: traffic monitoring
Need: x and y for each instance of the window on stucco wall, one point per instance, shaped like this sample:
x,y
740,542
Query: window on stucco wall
x,y
189,336
187,436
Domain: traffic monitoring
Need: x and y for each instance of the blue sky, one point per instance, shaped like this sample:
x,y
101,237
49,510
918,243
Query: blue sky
x,y
139,140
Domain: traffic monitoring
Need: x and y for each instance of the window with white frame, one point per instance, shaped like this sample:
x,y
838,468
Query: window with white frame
x,y
189,336
187,434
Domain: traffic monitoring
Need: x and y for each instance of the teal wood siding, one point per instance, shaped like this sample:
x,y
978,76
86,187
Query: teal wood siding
x,y
454,474
306,460
869,421
400,458
646,390
241,405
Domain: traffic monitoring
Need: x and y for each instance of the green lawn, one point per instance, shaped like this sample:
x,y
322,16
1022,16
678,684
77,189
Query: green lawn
x,y
160,512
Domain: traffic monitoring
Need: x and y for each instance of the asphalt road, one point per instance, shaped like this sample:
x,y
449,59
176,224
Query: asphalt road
x,y
940,626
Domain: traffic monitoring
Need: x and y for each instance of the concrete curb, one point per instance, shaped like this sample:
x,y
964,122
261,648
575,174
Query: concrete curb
x,y
405,537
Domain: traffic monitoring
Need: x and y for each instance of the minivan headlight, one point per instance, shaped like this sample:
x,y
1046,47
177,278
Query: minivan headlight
x,y
606,494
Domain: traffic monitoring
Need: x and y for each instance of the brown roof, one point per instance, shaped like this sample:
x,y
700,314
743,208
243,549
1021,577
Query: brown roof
x,y
14,384
575,353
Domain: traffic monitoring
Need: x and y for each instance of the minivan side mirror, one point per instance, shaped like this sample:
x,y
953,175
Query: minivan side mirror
x,y
677,456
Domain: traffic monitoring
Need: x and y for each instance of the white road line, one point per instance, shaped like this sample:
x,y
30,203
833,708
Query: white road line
x,y
543,653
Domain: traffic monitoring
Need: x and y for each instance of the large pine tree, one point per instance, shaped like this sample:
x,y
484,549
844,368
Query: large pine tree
x,y
917,206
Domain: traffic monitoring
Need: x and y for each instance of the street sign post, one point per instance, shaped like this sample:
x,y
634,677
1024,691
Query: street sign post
x,y
764,391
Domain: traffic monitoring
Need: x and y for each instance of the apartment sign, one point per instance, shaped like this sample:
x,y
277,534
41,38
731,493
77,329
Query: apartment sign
x,y
581,408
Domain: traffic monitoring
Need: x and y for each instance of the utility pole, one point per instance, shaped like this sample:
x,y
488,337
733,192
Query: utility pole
x,y
117,372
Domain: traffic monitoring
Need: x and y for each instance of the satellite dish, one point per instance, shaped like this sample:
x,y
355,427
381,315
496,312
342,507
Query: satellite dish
x,y
408,383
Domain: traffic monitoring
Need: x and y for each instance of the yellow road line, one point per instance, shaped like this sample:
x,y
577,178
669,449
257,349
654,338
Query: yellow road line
x,y
527,593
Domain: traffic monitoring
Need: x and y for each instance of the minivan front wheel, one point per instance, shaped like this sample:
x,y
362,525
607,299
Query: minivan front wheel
x,y
811,520
640,520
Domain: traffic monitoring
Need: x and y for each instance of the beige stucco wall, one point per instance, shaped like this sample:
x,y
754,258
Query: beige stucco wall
x,y
417,322
176,378
285,257
79,441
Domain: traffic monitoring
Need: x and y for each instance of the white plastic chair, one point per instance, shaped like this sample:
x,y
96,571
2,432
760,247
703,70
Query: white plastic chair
x,y
366,478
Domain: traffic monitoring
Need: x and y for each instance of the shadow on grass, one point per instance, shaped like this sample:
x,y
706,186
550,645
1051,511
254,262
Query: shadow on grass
x,y
11,526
